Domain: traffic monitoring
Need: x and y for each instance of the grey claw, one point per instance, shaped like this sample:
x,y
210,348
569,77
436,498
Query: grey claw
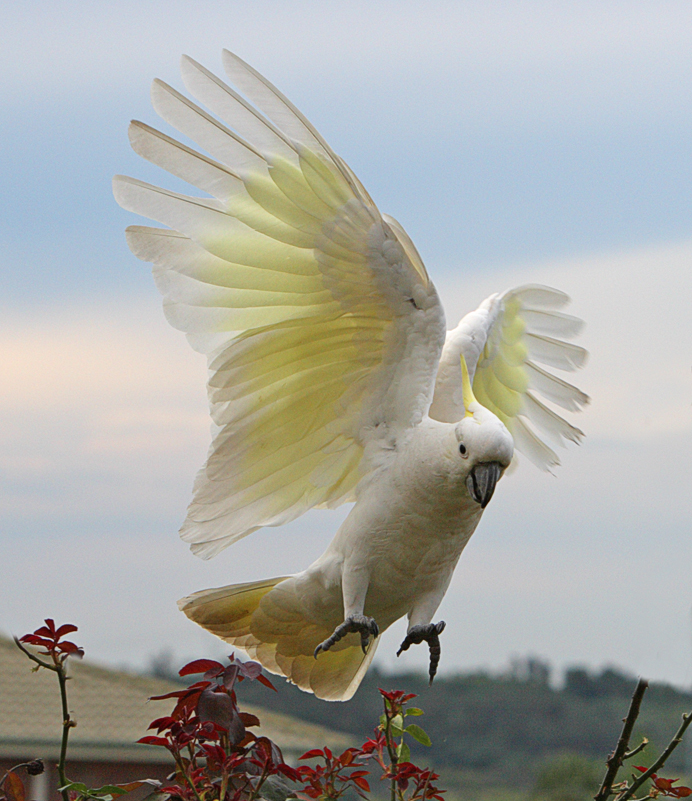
x,y
365,626
430,634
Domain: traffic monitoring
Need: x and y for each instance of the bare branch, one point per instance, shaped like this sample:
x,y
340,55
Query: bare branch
x,y
660,762
614,761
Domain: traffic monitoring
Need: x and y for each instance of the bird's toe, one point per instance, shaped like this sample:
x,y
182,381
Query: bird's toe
x,y
429,633
366,626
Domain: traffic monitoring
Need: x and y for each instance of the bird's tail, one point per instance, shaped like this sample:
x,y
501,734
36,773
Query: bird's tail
x,y
268,621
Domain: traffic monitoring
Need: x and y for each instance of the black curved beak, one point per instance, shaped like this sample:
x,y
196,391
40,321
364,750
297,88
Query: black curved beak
x,y
481,482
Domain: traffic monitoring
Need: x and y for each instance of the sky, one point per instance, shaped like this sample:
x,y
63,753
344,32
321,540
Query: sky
x,y
517,142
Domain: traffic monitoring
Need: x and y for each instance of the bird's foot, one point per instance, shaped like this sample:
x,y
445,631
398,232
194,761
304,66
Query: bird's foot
x,y
430,634
366,626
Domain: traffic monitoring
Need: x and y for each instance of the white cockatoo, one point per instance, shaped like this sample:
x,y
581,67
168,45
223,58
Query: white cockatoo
x,y
331,379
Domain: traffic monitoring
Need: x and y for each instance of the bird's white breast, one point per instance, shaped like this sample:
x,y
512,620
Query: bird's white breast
x,y
407,530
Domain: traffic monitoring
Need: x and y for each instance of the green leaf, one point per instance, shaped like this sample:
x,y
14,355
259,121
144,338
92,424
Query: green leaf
x,y
76,787
414,711
397,725
403,752
106,793
418,734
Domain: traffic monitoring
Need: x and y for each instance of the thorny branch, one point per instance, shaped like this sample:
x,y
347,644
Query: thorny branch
x,y
615,760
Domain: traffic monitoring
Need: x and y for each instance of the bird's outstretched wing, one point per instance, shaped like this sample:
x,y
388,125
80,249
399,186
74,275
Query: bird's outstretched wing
x,y
321,326
501,342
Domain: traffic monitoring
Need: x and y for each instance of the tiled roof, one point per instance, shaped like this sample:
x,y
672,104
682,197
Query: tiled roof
x,y
112,712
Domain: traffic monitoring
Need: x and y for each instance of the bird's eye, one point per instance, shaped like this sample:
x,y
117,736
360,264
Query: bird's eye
x,y
462,449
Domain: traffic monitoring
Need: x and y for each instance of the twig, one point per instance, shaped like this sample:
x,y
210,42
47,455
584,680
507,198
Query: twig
x,y
614,761
672,745
33,657
636,750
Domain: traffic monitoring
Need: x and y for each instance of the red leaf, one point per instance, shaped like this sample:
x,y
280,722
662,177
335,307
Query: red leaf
x,y
151,740
316,752
640,768
70,648
250,670
683,792
362,783
161,723
264,680
13,787
249,720
288,771
175,694
32,639
66,628
200,666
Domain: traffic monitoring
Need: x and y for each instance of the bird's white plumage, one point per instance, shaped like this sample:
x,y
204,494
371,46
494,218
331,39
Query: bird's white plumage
x,y
501,341
324,335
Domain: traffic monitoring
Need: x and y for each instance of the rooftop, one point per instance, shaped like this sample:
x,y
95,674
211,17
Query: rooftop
x,y
112,711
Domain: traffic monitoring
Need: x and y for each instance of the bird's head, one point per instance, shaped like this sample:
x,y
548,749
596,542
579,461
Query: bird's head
x,y
485,446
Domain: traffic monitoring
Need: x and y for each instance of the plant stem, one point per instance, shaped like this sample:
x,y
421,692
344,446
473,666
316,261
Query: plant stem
x,y
614,761
58,667
66,726
660,762
258,787
185,777
392,751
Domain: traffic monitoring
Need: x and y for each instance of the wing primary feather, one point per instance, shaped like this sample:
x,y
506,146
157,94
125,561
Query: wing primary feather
x,y
547,421
555,353
272,102
288,118
234,110
555,389
214,137
552,323
206,174
532,447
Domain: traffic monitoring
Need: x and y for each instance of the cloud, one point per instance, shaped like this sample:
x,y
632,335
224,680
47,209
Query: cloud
x,y
95,404
106,424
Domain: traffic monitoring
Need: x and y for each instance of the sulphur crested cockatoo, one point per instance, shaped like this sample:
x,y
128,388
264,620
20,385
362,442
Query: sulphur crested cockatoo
x,y
331,379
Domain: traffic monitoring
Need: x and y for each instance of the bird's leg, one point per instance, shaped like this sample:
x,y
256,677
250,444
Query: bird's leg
x,y
430,633
354,587
366,626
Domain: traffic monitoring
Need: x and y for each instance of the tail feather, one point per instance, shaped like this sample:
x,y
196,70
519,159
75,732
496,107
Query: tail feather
x,y
268,621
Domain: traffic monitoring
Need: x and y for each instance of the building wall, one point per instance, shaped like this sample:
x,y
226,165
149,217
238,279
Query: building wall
x,y
94,774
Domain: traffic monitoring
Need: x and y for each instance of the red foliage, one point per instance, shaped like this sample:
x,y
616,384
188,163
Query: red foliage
x,y
332,779
215,756
50,638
